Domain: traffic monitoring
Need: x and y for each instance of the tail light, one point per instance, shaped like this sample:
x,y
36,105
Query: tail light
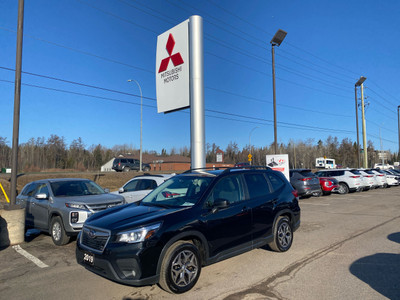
x,y
305,179
355,176
295,193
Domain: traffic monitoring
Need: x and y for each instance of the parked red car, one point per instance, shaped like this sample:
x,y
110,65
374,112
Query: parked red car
x,y
328,185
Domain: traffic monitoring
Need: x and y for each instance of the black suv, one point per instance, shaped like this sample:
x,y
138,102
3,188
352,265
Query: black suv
x,y
192,220
128,164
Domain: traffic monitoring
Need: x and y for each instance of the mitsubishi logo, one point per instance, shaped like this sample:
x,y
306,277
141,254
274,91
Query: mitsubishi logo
x,y
92,234
176,58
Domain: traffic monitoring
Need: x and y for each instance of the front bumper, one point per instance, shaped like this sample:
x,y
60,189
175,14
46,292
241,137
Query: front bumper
x,y
124,263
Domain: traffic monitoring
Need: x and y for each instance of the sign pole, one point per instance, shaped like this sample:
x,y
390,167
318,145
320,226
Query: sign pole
x,y
197,124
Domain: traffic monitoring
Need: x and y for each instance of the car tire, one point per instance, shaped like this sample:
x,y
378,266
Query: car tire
x,y
343,188
180,267
126,169
146,169
283,235
57,232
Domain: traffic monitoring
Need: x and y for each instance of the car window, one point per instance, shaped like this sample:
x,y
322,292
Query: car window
x,y
228,188
307,173
178,191
276,182
355,172
257,185
28,191
75,188
147,184
132,185
42,189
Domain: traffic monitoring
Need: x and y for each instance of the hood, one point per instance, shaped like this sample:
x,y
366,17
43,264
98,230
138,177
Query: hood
x,y
91,199
128,216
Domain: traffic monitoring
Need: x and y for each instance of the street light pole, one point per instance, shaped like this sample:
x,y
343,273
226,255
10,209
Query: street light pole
x,y
358,83
398,122
251,131
141,122
276,41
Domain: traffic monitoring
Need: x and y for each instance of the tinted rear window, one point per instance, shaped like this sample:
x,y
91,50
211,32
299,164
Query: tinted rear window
x,y
257,185
355,172
307,174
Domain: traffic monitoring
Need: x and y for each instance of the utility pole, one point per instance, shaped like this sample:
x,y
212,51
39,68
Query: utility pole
x,y
364,129
358,83
17,97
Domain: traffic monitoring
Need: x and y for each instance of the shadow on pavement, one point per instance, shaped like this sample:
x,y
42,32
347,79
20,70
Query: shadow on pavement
x,y
380,271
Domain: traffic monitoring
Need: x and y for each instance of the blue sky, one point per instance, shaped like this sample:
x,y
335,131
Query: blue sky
x,y
74,44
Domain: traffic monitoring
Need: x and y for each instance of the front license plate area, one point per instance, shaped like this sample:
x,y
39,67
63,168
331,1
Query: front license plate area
x,y
88,258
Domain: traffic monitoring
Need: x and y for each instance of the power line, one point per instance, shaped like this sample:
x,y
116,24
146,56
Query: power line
x,y
154,99
81,51
265,121
270,34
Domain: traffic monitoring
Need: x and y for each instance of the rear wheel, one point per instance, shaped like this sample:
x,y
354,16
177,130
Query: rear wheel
x,y
146,169
57,232
180,268
343,188
283,235
126,169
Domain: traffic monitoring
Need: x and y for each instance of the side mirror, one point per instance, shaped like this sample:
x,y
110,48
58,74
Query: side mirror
x,y
221,203
107,190
121,190
41,196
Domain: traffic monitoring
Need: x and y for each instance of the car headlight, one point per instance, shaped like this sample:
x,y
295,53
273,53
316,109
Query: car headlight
x,y
138,235
75,205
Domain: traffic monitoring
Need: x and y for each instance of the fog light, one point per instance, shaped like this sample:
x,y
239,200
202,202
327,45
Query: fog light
x,y
74,217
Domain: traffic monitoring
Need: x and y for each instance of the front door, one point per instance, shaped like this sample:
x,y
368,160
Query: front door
x,y
230,227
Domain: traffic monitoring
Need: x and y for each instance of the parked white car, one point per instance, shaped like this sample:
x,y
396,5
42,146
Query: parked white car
x,y
368,179
380,178
138,187
392,180
383,166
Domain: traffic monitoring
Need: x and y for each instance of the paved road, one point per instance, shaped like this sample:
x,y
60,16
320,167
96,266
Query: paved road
x,y
348,247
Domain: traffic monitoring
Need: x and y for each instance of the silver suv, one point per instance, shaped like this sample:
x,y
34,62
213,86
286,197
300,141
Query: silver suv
x,y
60,206
349,179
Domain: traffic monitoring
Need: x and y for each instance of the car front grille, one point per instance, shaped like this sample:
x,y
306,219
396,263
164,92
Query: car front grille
x,y
102,206
94,238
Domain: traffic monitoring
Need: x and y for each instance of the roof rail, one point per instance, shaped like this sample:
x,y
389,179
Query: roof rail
x,y
228,169
247,167
205,168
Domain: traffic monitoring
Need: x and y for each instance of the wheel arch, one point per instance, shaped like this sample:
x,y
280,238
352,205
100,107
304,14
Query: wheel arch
x,y
195,237
283,213
53,214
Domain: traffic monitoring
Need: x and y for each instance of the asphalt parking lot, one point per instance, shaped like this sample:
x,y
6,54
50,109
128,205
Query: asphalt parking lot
x,y
347,247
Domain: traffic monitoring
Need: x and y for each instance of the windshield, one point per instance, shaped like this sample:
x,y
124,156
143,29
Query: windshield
x,y
74,188
178,191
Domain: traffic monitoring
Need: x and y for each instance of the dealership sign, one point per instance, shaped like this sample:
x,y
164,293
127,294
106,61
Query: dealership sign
x,y
172,69
279,162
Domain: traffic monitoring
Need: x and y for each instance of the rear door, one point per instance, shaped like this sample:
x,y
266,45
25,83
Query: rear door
x,y
262,202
